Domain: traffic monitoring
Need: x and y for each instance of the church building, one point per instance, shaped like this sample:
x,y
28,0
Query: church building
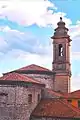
x,y
37,93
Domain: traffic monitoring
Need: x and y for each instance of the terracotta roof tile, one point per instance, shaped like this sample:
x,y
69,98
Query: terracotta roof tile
x,y
74,94
55,93
18,77
33,67
55,108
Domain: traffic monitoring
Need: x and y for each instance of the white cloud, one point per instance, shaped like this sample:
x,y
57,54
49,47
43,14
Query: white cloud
x,y
5,28
23,49
28,42
32,12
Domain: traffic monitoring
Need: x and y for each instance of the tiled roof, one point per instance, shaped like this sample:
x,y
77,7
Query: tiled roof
x,y
55,108
74,94
52,92
33,67
18,77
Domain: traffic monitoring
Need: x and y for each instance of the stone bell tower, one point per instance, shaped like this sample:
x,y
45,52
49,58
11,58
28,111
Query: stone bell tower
x,y
61,58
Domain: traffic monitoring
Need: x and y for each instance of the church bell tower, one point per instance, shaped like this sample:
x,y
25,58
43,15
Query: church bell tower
x,y
61,58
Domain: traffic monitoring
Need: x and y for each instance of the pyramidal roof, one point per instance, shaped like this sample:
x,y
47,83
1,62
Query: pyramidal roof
x,y
33,67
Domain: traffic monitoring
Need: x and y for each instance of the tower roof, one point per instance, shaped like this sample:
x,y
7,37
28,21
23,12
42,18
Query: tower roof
x,y
61,23
61,31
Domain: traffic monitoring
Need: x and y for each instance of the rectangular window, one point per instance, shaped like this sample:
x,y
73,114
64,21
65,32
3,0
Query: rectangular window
x,y
79,103
29,98
38,97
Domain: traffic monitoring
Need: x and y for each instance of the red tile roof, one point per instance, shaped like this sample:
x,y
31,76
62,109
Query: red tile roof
x,y
33,67
18,77
74,94
55,108
54,93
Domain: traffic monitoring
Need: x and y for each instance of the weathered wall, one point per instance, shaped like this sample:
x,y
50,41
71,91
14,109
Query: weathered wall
x,y
61,83
43,78
14,104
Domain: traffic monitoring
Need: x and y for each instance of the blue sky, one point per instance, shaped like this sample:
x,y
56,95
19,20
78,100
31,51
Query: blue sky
x,y
25,30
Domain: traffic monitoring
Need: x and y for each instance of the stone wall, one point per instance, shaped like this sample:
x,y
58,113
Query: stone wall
x,y
14,102
43,78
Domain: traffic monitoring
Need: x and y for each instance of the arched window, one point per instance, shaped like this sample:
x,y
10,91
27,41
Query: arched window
x,y
60,50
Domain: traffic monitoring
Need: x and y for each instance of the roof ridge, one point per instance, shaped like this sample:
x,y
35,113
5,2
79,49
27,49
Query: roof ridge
x,y
41,67
27,67
75,91
35,65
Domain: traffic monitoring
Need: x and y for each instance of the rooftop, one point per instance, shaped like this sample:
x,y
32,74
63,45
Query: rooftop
x,y
74,94
55,108
18,77
31,68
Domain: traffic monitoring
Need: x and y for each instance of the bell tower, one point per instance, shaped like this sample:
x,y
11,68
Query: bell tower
x,y
61,58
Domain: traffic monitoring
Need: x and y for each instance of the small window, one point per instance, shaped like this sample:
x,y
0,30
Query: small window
x,y
79,103
3,98
69,101
29,98
38,97
60,50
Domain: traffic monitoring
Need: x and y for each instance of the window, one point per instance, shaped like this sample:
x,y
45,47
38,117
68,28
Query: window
x,y
69,101
60,50
38,97
29,98
78,103
3,98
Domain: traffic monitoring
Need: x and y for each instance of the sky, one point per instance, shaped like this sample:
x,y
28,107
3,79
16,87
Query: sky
x,y
25,30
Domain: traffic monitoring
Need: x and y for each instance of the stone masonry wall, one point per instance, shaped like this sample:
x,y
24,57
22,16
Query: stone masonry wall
x,y
43,78
14,102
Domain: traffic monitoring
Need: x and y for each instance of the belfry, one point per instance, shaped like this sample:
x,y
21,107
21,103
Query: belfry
x,y
61,58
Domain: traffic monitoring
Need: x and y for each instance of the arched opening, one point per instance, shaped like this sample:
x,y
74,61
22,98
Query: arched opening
x,y
60,50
